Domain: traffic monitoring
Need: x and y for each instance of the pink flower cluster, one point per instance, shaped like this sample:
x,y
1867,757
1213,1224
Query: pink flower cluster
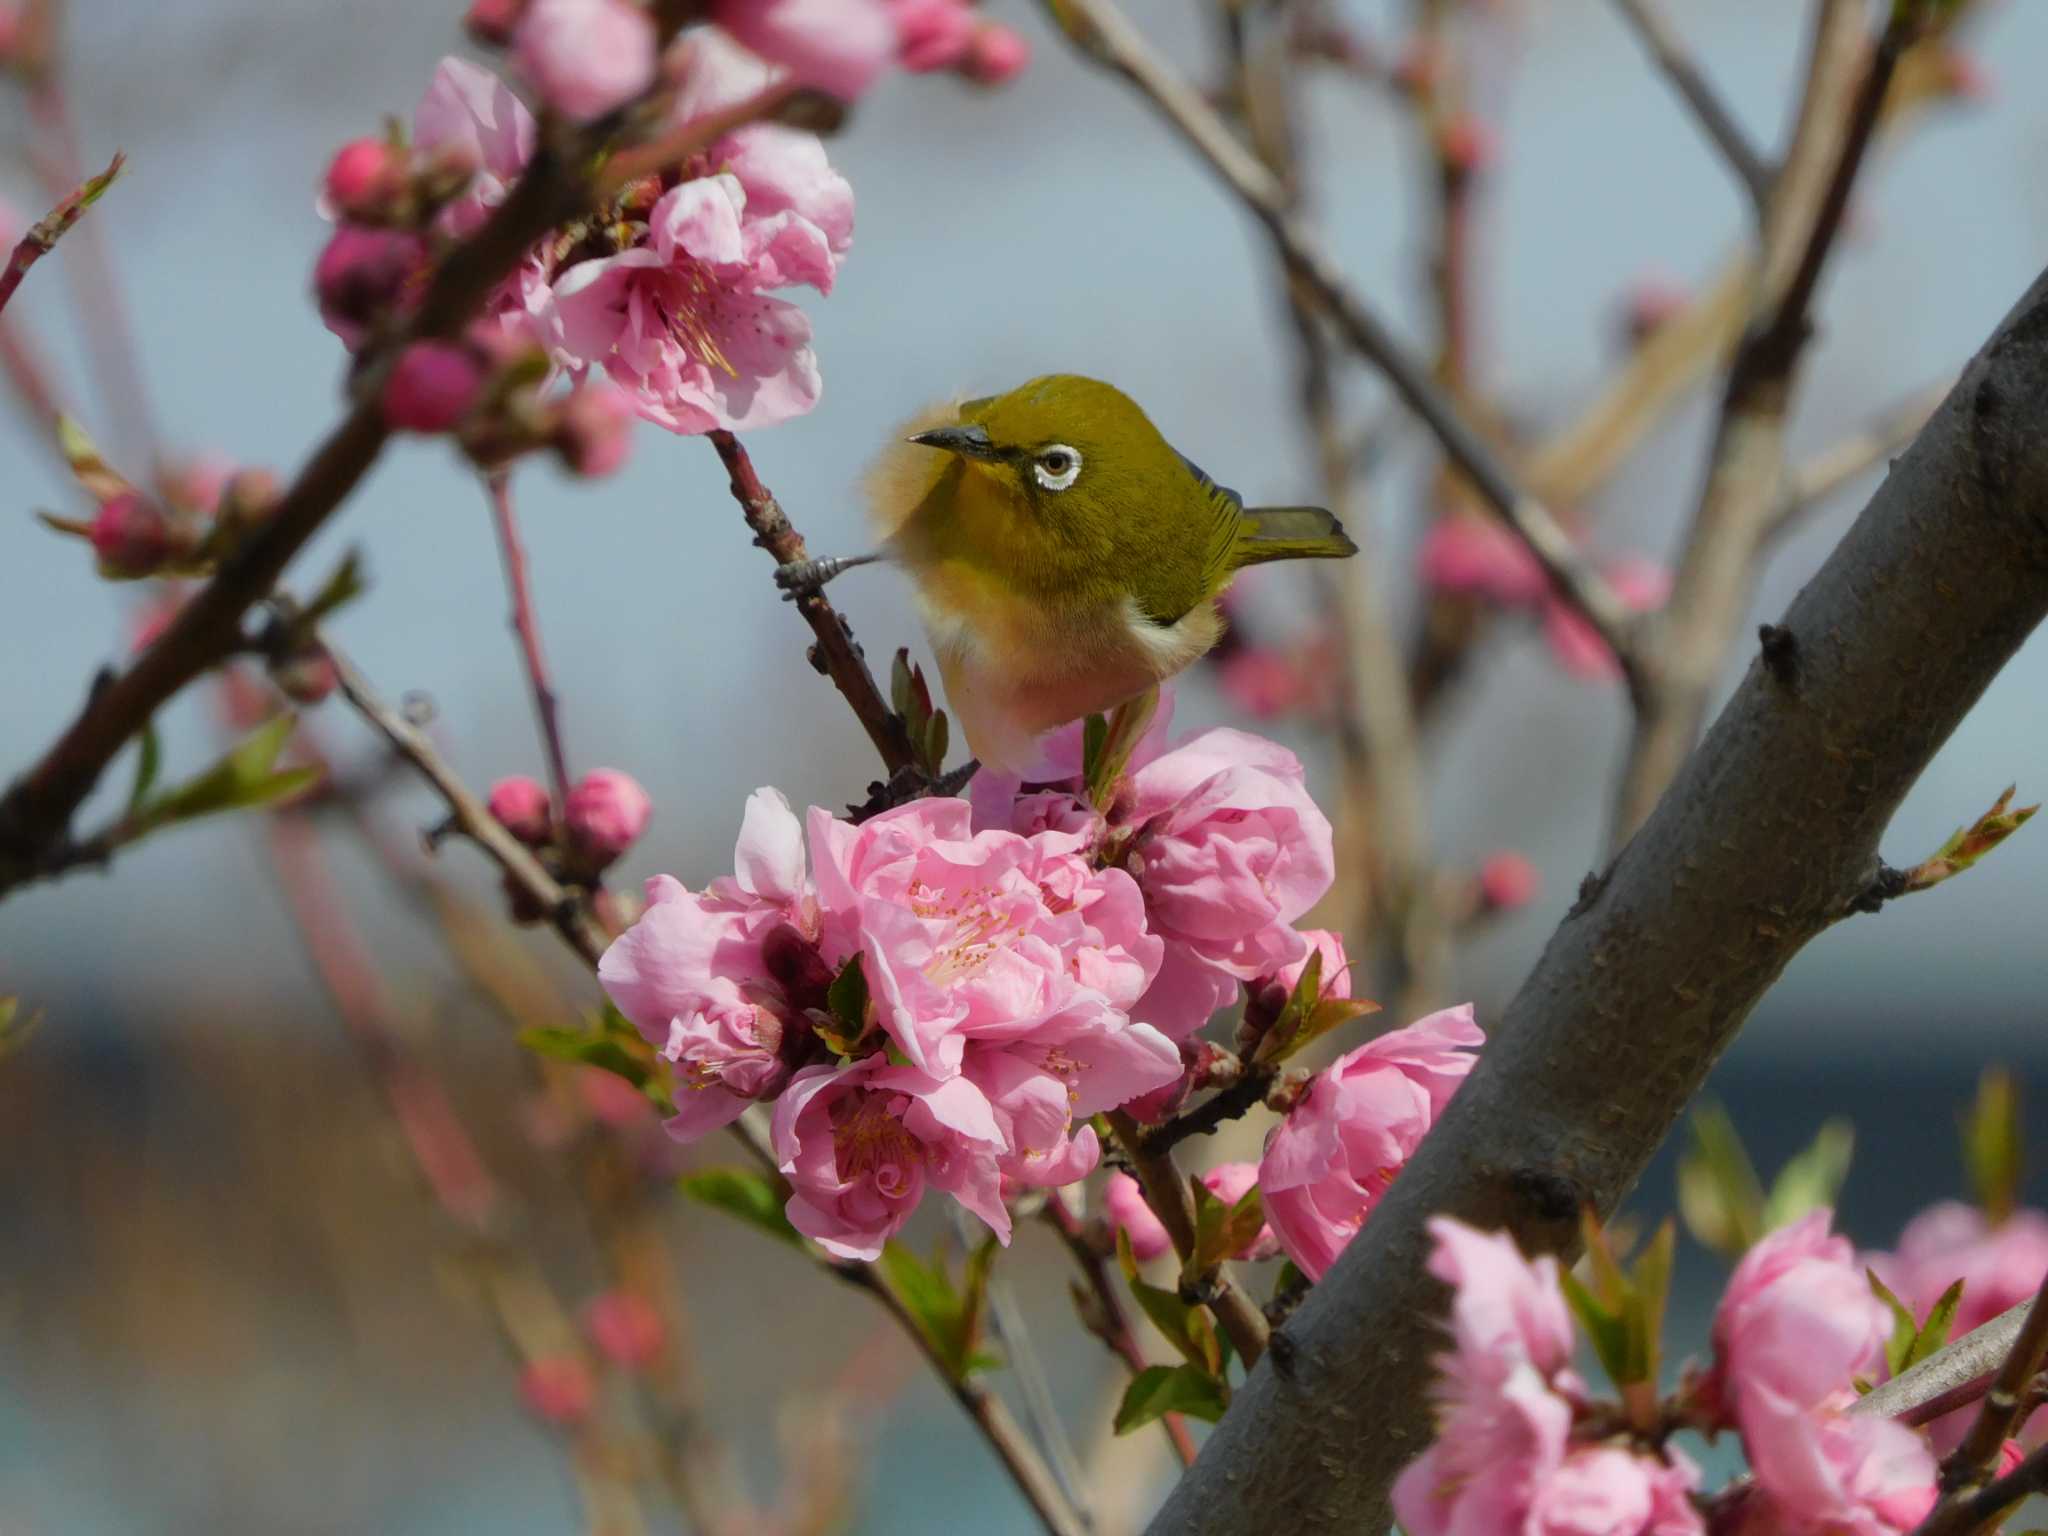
x,y
840,46
1010,981
1474,557
1521,1447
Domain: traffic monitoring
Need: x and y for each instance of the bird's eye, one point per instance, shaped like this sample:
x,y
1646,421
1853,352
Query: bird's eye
x,y
1057,467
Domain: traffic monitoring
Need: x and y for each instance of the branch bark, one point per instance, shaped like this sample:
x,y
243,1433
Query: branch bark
x,y
1768,837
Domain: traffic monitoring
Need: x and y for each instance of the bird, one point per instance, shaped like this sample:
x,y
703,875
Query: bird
x,y
1065,557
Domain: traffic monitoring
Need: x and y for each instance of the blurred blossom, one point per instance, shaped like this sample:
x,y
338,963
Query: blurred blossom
x,y
558,1389
1642,585
585,57
1123,1202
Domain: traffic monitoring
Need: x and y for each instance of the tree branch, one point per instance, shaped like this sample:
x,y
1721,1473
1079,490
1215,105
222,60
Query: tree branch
x,y
1967,1469
526,626
1956,1367
1774,822
43,235
1107,34
1672,56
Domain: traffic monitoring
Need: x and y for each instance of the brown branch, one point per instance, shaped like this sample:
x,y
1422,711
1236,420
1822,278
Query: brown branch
x,y
571,917
1112,39
836,655
1116,1330
1775,823
1979,1509
43,235
1213,1113
38,806
1967,1469
526,626
1679,67
1711,589
1167,1192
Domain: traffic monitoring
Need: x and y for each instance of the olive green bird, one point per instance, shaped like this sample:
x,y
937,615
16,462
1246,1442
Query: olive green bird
x,y
1065,557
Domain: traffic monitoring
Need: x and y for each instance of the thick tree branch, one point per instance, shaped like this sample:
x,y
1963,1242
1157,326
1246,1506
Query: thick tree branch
x,y
1676,60
1108,35
1768,836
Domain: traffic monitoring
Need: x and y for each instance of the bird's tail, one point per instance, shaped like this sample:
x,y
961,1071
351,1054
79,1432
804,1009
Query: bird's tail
x,y
1290,533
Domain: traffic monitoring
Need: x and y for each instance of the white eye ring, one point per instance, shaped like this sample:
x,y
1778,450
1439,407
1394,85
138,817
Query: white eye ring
x,y
1057,467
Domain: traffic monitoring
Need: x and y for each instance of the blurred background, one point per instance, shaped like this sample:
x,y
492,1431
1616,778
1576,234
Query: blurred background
x,y
228,1301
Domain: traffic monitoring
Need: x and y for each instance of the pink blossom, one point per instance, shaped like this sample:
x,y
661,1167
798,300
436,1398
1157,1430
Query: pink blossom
x,y
1508,881
1328,1163
932,34
1642,585
558,1389
1822,1471
626,1328
595,431
997,56
1230,850
470,112
612,1100
1263,682
836,46
1470,556
2000,1266
987,935
1336,971
681,324
859,1143
1603,1490
432,387
605,813
521,804
491,22
1123,1202
585,57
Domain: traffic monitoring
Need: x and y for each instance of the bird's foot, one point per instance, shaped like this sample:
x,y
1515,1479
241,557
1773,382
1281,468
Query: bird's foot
x,y
802,578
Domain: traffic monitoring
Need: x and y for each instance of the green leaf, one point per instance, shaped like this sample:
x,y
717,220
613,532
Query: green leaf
x,y
1720,1197
15,1026
1188,1328
1164,1389
1934,1332
937,741
1605,1329
1993,1148
899,682
847,998
949,1316
1221,1231
340,589
1094,734
1813,1178
604,1052
1103,767
148,762
1904,1328
247,776
752,1197
1649,1290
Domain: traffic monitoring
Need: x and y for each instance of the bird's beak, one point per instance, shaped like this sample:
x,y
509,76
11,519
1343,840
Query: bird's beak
x,y
968,442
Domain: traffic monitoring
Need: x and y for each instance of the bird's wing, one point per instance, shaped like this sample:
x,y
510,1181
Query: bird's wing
x,y
1218,524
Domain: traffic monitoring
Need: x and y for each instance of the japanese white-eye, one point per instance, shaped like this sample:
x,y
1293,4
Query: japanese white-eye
x,y
1066,558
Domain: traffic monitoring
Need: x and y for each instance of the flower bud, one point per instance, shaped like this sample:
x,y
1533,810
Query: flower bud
x,y
249,497
1150,1108
366,179
1652,303
361,274
521,805
1965,78
997,55
131,536
585,57
1215,1067
933,34
195,485
305,676
492,22
1508,881
626,1328
432,386
1468,144
606,813
558,1389
596,428
1123,1202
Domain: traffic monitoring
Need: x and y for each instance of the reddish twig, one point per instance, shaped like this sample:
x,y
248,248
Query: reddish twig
x,y
43,235
836,655
526,625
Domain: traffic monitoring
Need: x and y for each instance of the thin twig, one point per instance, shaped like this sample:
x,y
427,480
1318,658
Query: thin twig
x,y
1218,1110
836,655
471,817
1977,1510
1112,39
43,235
1969,1466
1167,1192
526,625
1117,1331
1676,60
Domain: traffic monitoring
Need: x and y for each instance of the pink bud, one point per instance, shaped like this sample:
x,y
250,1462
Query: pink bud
x,y
249,497
586,57
492,22
997,55
1418,69
432,387
1508,881
1964,76
364,178
596,429
361,274
1468,143
558,1389
1652,302
306,677
932,34
1124,1203
606,813
521,804
131,536
626,1328
194,485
